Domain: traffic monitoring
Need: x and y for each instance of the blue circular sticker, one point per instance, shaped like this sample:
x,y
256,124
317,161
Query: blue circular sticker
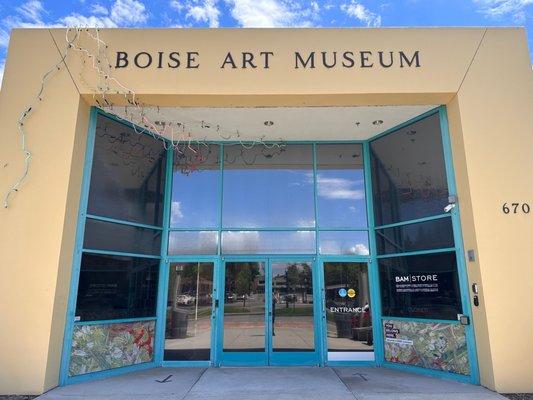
x,y
342,292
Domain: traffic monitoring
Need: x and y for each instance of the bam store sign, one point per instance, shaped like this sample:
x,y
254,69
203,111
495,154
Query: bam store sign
x,y
264,59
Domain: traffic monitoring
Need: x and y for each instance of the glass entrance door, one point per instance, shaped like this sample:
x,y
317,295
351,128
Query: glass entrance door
x,y
347,311
268,312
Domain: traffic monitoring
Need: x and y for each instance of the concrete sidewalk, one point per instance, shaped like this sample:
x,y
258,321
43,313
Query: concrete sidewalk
x,y
276,383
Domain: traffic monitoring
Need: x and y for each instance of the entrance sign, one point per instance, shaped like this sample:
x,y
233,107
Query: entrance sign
x,y
264,59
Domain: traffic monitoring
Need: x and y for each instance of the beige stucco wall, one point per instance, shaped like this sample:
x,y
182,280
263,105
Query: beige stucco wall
x,y
484,76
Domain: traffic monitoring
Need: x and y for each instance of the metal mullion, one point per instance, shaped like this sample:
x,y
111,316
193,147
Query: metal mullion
x,y
114,321
123,222
372,264
418,252
119,253
357,229
221,197
268,229
423,320
413,221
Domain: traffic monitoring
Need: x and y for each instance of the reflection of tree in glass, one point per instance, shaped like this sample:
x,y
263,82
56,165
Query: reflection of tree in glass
x,y
244,280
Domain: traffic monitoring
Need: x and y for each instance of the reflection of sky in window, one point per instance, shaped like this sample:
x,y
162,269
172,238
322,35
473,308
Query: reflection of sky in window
x,y
341,198
268,198
344,242
278,242
195,199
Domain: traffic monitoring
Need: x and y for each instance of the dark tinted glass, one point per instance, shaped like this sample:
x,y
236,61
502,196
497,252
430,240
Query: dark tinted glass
x,y
113,287
196,187
408,173
128,174
188,323
267,188
100,235
421,236
340,186
424,286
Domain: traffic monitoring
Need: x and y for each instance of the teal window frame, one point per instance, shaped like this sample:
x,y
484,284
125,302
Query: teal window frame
x,y
217,259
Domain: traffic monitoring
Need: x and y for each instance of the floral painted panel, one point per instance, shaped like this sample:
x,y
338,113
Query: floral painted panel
x,y
438,346
107,346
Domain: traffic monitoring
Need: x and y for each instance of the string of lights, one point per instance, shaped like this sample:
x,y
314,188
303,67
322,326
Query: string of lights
x,y
172,134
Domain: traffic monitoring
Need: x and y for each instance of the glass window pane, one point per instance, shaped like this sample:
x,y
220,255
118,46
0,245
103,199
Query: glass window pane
x,y
422,286
244,306
349,320
189,303
196,182
101,235
344,242
193,242
268,188
265,242
340,186
116,287
128,174
421,236
408,173
292,307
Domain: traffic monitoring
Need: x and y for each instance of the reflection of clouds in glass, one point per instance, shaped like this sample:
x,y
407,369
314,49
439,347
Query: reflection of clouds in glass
x,y
343,242
191,242
268,242
241,241
175,212
360,249
339,188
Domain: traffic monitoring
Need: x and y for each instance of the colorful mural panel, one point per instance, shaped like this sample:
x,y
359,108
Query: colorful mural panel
x,y
101,347
437,346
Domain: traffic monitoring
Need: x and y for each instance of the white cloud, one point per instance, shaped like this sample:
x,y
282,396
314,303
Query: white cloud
x,y
175,212
79,20
177,5
360,12
205,12
32,11
99,9
338,188
128,12
268,13
502,8
28,15
4,38
121,13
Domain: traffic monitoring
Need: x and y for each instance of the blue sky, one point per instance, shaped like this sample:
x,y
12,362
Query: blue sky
x,y
261,13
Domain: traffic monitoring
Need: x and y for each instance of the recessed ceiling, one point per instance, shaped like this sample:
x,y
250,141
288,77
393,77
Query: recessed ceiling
x,y
273,123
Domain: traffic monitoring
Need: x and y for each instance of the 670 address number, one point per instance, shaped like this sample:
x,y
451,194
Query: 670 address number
x,y
515,208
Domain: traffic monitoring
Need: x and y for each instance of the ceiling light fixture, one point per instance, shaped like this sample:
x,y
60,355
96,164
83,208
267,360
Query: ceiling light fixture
x,y
411,133
268,123
377,122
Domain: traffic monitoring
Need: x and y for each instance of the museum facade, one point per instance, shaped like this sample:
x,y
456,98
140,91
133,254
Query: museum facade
x,y
266,197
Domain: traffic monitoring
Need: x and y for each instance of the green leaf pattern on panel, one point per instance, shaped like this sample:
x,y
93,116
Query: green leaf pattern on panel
x,y
437,346
101,347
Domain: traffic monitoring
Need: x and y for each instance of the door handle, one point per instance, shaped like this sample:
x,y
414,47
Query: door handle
x,y
216,303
